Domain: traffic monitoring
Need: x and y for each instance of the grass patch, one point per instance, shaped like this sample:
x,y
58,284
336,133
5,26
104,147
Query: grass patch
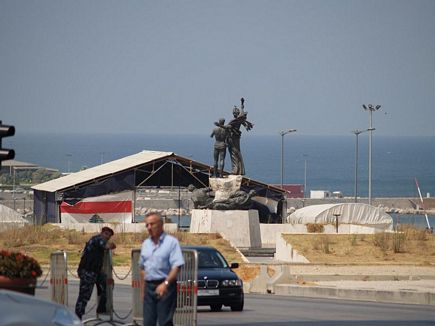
x,y
406,246
40,241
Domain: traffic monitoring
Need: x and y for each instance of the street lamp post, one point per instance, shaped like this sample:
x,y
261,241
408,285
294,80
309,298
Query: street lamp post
x,y
69,155
337,215
357,133
13,186
283,133
305,174
371,108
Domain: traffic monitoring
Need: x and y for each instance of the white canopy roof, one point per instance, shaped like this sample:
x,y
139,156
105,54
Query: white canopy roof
x,y
349,213
101,170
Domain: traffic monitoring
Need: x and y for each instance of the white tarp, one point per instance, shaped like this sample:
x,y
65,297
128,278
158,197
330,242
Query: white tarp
x,y
9,215
349,213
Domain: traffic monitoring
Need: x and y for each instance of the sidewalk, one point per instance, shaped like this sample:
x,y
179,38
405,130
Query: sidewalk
x,y
383,283
409,292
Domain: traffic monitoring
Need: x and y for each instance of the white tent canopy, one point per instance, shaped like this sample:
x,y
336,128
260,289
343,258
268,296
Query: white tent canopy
x,y
348,213
9,215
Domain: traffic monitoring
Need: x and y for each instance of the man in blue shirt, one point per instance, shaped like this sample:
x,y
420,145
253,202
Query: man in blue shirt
x,y
160,261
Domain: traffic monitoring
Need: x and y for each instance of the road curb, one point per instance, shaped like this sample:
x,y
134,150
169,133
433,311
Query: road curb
x,y
368,294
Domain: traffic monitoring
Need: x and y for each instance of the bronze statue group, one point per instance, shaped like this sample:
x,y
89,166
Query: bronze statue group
x,y
227,136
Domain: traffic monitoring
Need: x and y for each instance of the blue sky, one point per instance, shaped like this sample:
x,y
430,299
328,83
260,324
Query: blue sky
x,y
175,67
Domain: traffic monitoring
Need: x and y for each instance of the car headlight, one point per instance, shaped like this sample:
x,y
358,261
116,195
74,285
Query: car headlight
x,y
237,282
63,317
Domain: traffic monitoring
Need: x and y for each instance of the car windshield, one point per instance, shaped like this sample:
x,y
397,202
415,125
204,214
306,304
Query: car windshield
x,y
211,259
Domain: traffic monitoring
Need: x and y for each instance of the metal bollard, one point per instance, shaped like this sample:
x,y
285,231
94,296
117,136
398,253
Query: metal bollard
x,y
59,277
107,269
187,290
137,309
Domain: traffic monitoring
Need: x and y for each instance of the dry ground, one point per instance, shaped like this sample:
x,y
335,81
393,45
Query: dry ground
x,y
40,241
408,247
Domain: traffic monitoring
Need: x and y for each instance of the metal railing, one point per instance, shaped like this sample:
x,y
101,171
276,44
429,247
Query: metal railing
x,y
185,314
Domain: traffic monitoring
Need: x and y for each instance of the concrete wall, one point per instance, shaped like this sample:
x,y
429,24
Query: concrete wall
x,y
11,225
285,252
269,232
241,227
117,227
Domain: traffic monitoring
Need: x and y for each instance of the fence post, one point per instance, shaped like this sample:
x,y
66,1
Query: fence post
x,y
137,309
59,277
107,270
187,290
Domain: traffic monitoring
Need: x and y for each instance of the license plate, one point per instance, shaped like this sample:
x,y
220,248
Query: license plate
x,y
207,292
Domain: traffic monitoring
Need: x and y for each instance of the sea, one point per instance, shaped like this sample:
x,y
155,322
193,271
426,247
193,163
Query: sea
x,y
319,162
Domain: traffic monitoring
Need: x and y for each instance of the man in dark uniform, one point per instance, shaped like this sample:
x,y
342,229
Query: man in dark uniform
x,y
90,271
220,147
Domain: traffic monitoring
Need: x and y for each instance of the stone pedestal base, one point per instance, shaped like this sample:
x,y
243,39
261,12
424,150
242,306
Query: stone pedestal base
x,y
242,228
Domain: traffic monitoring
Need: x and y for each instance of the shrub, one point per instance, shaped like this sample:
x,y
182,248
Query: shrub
x,y
399,242
18,265
412,233
315,228
353,239
382,240
322,243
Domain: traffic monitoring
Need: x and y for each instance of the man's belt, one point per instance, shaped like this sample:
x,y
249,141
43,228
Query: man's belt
x,y
156,282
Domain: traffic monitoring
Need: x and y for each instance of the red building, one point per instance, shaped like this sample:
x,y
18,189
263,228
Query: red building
x,y
292,191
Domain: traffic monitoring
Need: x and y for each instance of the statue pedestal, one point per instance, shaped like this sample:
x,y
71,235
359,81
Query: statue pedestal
x,y
241,227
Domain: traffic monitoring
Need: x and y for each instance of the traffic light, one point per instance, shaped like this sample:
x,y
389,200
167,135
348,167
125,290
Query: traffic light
x,y
6,154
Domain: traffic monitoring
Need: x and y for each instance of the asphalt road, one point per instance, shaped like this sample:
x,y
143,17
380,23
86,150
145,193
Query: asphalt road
x,y
280,310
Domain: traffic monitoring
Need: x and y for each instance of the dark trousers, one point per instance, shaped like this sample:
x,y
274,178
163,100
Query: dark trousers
x,y
161,309
87,282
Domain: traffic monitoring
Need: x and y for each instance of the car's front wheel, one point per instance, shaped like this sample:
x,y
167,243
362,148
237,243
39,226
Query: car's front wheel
x,y
238,306
216,307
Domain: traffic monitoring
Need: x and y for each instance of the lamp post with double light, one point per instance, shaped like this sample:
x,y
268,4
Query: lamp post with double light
x,y
357,133
371,108
283,133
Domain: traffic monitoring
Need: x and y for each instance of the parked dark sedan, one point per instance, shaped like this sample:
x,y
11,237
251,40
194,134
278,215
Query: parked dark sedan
x,y
218,285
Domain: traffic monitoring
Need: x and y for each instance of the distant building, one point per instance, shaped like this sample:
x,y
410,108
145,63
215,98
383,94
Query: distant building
x,y
320,194
292,190
9,166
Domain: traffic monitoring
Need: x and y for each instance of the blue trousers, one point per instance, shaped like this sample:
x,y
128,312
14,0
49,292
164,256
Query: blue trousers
x,y
87,282
161,309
